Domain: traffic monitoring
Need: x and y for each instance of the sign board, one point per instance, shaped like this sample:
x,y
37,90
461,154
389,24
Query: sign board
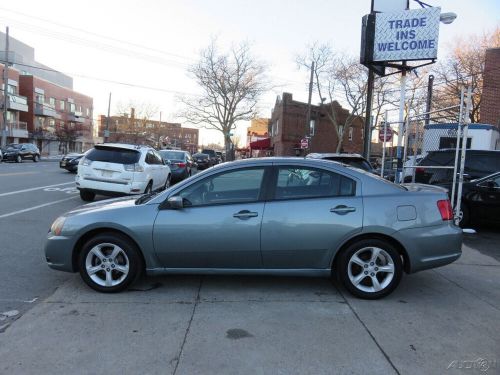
x,y
304,143
389,5
407,35
388,134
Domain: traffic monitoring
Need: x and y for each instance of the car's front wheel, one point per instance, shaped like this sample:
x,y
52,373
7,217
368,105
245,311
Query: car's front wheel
x,y
36,158
109,263
370,268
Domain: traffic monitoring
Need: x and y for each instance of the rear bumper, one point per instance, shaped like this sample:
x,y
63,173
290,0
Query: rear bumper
x,y
111,188
431,247
179,174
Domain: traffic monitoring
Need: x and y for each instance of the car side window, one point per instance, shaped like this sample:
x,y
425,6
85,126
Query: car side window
x,y
150,158
239,186
158,158
296,183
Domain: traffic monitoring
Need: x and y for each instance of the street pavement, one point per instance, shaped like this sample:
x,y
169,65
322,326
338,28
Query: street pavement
x,y
437,322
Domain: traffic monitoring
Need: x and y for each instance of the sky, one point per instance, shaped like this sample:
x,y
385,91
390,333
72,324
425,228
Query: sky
x,y
148,45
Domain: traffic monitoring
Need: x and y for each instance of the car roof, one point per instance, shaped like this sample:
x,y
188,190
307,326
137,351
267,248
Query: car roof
x,y
320,155
123,145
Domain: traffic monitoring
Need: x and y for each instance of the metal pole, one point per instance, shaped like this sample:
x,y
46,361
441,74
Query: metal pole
x,y
368,115
462,156
159,135
430,84
405,154
397,178
308,120
5,88
106,132
383,145
457,147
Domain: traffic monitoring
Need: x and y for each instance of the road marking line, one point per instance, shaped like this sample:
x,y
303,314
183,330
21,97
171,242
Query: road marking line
x,y
36,188
35,207
17,173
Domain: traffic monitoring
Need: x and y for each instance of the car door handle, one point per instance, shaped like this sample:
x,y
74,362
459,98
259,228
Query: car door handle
x,y
342,210
245,214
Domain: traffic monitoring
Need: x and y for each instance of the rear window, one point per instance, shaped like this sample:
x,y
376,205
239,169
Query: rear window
x,y
200,156
353,162
172,155
209,152
439,159
114,155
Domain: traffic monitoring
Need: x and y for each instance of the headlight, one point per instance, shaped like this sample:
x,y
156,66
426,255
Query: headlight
x,y
57,225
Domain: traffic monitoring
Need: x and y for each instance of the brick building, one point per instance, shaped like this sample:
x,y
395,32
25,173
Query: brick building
x,y
288,127
129,129
258,130
490,101
42,106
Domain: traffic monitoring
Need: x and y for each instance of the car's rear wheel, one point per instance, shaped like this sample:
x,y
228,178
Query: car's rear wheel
x,y
168,182
149,188
370,268
36,158
87,196
463,216
109,263
19,159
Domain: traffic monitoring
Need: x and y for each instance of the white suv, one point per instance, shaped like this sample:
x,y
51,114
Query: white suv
x,y
119,169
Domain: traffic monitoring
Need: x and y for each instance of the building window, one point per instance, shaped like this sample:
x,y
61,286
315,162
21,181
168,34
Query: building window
x,y
312,127
351,131
88,112
39,98
72,107
52,102
61,105
362,133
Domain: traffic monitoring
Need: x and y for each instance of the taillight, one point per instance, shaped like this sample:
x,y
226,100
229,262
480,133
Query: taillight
x,y
134,167
419,170
180,165
445,209
85,161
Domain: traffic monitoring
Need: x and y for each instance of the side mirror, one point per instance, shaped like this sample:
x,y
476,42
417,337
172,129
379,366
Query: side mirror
x,y
176,203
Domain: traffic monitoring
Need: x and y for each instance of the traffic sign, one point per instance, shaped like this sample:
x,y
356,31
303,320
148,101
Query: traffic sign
x,y
388,136
304,143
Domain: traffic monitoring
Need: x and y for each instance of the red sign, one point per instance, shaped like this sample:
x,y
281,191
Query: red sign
x,y
388,134
304,143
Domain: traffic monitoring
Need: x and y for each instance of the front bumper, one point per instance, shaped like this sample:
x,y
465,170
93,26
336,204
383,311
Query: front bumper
x,y
431,247
59,252
10,157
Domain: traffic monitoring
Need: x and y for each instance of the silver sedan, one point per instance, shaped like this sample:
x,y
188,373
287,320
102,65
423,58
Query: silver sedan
x,y
279,216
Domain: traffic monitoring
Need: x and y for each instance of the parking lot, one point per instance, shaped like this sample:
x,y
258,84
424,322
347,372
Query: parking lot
x,y
440,321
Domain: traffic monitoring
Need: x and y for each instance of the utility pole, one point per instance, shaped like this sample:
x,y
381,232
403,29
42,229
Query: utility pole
x,y
5,88
308,120
368,116
159,134
428,105
401,124
106,132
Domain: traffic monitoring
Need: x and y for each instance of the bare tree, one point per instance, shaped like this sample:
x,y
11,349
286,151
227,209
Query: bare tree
x,y
231,85
137,127
463,67
340,79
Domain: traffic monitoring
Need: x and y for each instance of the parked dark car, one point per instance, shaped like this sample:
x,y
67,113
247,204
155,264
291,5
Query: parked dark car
x,y
478,164
70,161
353,160
212,155
181,163
202,161
21,151
480,200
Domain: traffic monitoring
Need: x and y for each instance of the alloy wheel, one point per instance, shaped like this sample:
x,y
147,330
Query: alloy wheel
x,y
107,264
371,269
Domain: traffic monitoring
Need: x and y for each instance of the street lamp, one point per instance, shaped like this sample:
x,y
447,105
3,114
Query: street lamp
x,y
447,18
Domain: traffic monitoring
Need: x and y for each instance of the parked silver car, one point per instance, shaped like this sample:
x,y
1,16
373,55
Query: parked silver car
x,y
280,216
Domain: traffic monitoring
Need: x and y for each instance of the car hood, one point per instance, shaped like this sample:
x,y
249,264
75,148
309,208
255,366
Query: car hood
x,y
105,205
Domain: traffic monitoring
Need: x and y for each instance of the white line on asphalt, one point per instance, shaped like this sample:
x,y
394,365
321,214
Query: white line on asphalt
x,y
35,188
35,207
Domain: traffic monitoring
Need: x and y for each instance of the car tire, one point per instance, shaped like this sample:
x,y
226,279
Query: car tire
x,y
149,188
168,182
360,268
36,158
87,196
19,159
464,215
109,263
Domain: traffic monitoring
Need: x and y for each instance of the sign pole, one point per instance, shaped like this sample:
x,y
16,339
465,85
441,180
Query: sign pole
x,y
383,145
401,124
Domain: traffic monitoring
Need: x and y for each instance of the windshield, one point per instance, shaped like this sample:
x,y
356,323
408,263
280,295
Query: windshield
x,y
14,146
353,162
114,155
172,155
